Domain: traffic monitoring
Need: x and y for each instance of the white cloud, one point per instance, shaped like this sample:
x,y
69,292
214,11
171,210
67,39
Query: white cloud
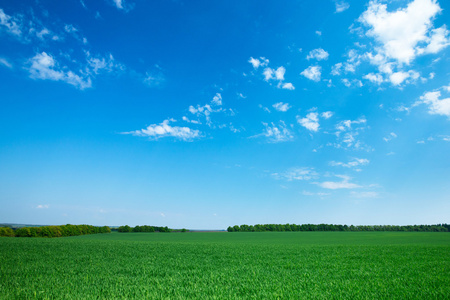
x,y
438,41
280,106
186,119
354,82
118,3
11,24
25,29
98,64
375,78
154,79
347,135
318,54
312,73
206,110
344,184
310,122
342,6
436,106
353,60
327,114
347,124
44,66
288,86
41,34
297,174
320,194
390,137
69,28
42,206
268,74
156,131
356,162
279,73
256,63
364,194
319,33
401,33
5,62
275,134
336,69
217,99
398,77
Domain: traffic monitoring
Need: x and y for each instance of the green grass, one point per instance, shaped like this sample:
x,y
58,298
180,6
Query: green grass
x,y
267,265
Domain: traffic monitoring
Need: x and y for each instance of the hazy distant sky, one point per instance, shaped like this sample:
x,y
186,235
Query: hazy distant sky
x,y
204,114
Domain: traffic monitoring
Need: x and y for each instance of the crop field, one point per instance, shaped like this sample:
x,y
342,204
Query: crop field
x,y
241,265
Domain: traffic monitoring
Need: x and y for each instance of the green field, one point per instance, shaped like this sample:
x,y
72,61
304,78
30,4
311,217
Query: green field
x,y
266,265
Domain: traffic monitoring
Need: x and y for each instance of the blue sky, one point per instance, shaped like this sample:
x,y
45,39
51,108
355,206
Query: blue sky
x,y
205,114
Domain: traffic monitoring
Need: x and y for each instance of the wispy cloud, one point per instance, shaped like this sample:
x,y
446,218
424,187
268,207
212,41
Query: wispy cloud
x,y
320,194
44,66
118,3
342,6
206,110
12,25
122,5
347,133
4,62
292,174
98,64
364,194
267,110
43,206
164,129
352,83
390,137
276,133
355,162
26,28
326,114
343,184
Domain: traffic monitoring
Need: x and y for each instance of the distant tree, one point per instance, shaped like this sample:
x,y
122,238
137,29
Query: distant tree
x,y
6,231
125,228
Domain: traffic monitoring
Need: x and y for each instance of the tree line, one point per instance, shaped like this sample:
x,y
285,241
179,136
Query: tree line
x,y
145,228
53,231
332,227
